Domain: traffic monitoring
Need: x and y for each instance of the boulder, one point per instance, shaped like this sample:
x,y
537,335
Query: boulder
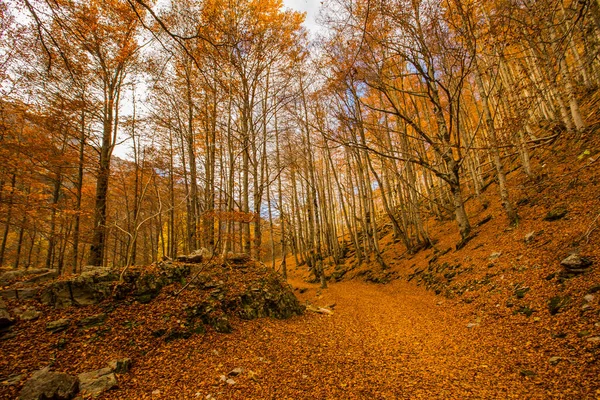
x,y
10,276
30,315
44,277
93,320
5,319
556,213
272,298
121,366
86,289
58,325
93,384
530,237
45,384
57,295
197,256
574,264
96,284
19,293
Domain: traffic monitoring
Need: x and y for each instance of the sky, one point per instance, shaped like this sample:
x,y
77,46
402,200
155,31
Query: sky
x,y
311,7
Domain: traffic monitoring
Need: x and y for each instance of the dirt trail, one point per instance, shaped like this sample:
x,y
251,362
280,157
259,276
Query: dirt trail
x,y
382,342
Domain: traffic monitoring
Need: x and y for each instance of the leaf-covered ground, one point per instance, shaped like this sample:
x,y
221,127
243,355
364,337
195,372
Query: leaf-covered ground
x,y
394,341
382,342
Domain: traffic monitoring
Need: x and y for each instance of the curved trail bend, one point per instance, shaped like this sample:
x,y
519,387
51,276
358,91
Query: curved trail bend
x,y
391,341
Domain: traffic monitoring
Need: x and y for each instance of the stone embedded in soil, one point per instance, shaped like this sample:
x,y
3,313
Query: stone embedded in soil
x,y
197,256
121,366
94,383
588,298
45,384
529,237
30,315
92,320
235,372
13,380
576,264
554,360
58,325
594,339
5,319
527,372
555,214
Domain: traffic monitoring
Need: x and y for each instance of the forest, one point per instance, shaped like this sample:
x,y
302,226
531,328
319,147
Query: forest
x,y
448,144
238,133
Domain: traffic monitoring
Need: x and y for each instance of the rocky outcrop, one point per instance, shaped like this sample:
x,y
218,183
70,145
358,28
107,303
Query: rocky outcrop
x,y
266,297
48,385
45,384
95,285
574,264
197,256
269,297
93,384
235,287
58,325
10,276
5,318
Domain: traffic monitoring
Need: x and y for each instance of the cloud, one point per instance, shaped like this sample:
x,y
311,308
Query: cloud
x,y
311,7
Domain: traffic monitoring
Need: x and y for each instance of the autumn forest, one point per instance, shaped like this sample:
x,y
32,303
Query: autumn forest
x,y
134,132
243,136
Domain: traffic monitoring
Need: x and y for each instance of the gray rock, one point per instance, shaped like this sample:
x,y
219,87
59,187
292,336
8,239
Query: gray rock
x,y
93,320
554,360
121,366
236,371
5,319
197,256
30,315
19,294
594,339
529,237
94,383
576,264
588,298
8,293
495,255
13,380
13,275
57,294
44,277
58,325
83,290
472,325
45,384
556,213
26,293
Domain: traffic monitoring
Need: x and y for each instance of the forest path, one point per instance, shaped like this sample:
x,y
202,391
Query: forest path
x,y
394,341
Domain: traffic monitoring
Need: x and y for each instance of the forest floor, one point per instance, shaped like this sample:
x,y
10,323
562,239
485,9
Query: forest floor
x,y
391,341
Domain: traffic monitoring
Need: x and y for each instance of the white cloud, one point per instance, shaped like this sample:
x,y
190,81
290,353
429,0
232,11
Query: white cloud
x,y
311,7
